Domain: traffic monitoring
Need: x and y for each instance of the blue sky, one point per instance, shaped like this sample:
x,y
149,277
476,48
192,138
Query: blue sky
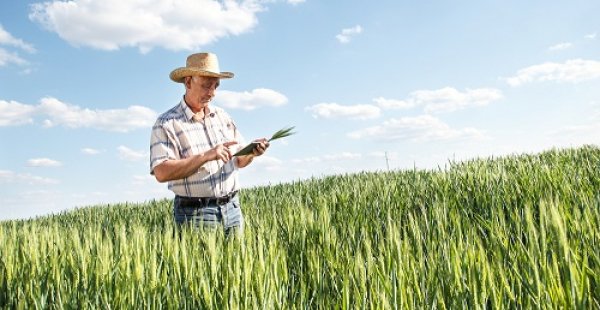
x,y
423,82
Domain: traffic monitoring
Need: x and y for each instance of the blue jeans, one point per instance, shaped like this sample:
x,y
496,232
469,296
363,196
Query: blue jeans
x,y
211,216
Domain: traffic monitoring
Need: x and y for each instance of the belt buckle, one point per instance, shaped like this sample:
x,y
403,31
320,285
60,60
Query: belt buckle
x,y
225,199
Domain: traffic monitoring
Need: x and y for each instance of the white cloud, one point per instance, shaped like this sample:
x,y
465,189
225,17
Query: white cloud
x,y
446,99
347,33
268,163
10,177
43,162
380,154
295,2
306,160
13,113
586,133
591,36
574,71
580,129
328,157
128,154
422,128
449,99
7,39
257,98
145,24
393,103
561,46
57,113
26,71
145,179
342,156
120,120
7,57
90,151
334,110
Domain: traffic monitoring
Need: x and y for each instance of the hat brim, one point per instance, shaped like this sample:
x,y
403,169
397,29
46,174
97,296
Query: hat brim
x,y
179,74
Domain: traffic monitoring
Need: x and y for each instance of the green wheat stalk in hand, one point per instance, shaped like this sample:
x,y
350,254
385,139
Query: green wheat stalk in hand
x,y
282,133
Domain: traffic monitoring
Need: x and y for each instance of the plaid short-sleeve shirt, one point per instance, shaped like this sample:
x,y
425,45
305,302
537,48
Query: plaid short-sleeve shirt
x,y
176,135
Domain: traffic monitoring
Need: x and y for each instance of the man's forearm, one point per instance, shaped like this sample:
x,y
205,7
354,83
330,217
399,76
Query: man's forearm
x,y
177,169
243,161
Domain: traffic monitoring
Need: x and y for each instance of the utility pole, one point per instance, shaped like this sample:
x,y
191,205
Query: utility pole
x,y
387,161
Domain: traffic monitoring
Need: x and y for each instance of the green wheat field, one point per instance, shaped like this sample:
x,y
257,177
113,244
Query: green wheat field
x,y
519,231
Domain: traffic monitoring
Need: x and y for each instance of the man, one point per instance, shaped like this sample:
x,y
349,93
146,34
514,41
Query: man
x,y
192,147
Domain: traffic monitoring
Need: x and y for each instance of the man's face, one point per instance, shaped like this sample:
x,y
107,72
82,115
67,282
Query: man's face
x,y
200,89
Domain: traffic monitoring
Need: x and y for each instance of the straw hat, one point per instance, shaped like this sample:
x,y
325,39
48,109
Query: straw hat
x,y
203,64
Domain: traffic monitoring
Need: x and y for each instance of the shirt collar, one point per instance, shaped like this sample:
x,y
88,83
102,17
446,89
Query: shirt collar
x,y
189,114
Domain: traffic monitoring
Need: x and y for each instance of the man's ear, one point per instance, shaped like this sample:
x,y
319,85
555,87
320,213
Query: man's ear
x,y
187,81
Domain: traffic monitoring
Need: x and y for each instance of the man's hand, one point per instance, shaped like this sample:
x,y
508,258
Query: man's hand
x,y
222,151
261,147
